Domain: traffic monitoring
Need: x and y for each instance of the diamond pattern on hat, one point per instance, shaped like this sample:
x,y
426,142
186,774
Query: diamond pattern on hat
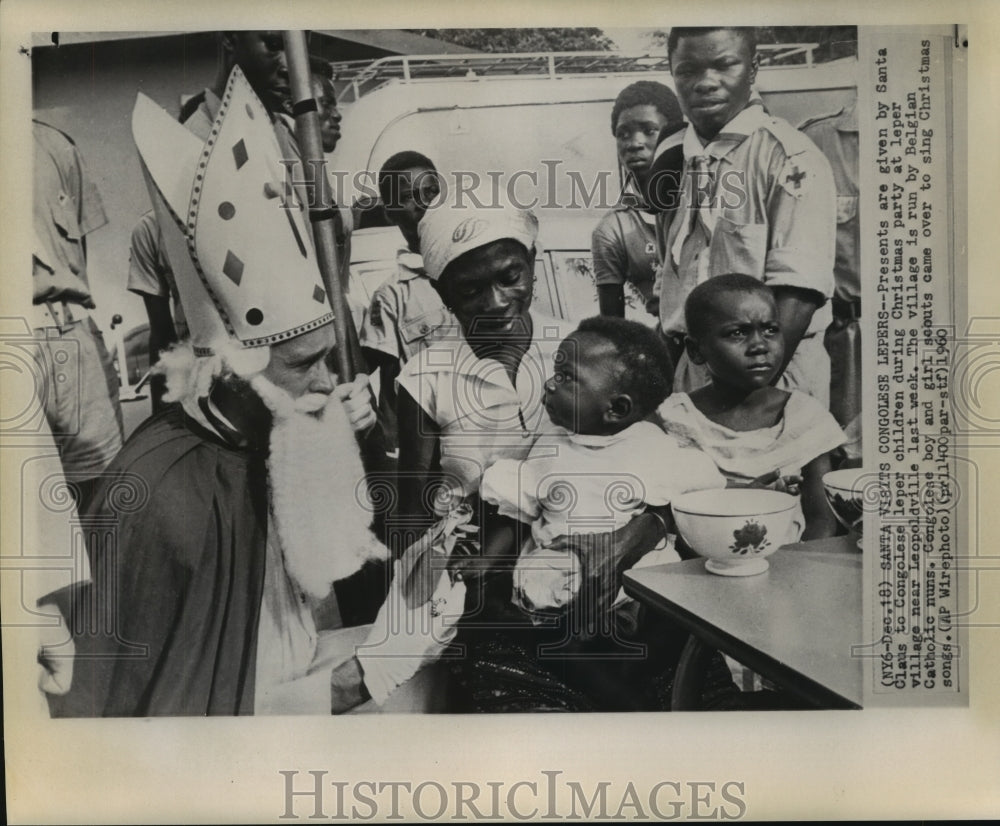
x,y
240,153
251,260
233,268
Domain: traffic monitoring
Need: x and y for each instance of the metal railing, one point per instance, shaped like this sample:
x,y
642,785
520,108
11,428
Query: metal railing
x,y
356,78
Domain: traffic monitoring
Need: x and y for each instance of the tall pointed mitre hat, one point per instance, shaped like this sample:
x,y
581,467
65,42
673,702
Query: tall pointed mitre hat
x,y
238,245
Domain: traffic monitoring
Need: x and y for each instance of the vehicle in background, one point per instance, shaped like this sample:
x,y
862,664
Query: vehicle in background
x,y
534,125
540,120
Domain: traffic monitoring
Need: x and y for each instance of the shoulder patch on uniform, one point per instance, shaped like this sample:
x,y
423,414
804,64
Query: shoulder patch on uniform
x,y
797,176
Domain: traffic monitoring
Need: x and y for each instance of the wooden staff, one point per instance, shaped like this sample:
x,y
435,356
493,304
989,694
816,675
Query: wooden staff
x,y
322,210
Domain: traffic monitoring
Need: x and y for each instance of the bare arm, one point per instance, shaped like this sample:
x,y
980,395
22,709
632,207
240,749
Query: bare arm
x,y
388,367
611,299
820,521
795,311
347,687
610,267
419,457
628,543
161,335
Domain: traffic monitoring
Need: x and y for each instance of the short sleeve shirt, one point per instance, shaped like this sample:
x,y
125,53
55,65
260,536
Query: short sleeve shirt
x,y
67,207
837,138
149,271
481,415
766,207
406,311
624,250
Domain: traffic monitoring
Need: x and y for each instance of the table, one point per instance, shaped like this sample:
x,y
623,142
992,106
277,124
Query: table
x,y
795,624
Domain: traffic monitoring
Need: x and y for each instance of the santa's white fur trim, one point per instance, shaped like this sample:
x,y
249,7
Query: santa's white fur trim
x,y
190,377
317,485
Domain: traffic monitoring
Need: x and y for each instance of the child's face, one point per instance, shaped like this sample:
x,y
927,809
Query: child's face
x,y
583,384
635,135
741,343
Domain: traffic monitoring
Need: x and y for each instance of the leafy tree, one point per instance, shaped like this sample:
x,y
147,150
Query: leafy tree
x,y
834,41
524,40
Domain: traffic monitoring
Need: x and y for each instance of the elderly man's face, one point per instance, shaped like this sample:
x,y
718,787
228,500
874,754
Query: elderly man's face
x,y
713,73
261,56
489,290
301,365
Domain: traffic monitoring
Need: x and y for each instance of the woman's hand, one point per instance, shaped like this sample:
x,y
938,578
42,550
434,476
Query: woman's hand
x,y
619,549
357,400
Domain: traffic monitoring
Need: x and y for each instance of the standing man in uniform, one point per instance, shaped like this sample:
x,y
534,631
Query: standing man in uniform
x,y
757,199
79,385
837,137
406,311
623,244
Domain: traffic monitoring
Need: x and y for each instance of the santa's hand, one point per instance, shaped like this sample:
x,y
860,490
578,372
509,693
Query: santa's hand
x,y
55,658
402,639
357,400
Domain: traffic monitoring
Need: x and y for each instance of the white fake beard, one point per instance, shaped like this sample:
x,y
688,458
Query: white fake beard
x,y
319,499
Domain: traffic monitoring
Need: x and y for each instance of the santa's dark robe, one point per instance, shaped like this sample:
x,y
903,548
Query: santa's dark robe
x,y
168,626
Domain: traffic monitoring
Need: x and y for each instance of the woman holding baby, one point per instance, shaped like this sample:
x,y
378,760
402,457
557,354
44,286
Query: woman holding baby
x,y
487,398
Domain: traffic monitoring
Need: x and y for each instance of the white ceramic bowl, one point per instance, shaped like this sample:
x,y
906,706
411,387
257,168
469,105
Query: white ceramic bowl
x,y
736,528
844,491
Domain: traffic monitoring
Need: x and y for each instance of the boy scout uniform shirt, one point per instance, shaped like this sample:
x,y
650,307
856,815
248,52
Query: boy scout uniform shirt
x,y
406,311
624,250
837,138
67,207
765,207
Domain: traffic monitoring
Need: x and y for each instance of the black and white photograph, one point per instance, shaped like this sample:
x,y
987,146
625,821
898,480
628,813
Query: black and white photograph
x,y
493,420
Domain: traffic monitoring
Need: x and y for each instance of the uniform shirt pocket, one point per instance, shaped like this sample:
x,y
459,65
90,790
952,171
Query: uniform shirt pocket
x,y
412,328
737,248
64,216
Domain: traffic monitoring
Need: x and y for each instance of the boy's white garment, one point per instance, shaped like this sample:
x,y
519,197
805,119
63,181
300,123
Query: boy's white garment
x,y
572,484
806,430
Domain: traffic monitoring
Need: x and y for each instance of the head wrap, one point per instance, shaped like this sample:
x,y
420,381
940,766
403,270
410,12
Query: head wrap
x,y
447,232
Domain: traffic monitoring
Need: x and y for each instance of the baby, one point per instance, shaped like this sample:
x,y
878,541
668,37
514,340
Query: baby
x,y
599,465
746,425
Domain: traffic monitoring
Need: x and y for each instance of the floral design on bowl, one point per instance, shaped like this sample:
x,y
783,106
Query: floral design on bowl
x,y
845,491
752,537
735,529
